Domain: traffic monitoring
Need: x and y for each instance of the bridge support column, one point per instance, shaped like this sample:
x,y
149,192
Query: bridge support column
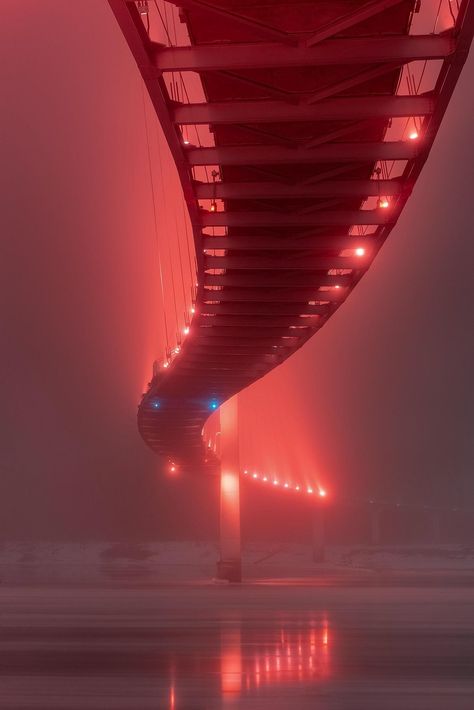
x,y
318,534
229,565
375,520
435,527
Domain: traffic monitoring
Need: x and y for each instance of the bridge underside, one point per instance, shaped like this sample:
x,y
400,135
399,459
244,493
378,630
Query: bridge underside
x,y
301,100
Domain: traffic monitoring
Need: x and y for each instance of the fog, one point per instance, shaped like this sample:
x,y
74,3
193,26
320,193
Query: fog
x,y
381,402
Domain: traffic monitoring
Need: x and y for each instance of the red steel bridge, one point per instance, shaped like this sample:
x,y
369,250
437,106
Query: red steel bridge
x,y
312,123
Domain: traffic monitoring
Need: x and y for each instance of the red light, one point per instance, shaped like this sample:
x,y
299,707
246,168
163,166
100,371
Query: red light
x,y
322,493
229,485
213,207
383,203
265,478
231,670
275,482
413,135
310,490
287,485
255,475
360,251
186,330
166,364
297,488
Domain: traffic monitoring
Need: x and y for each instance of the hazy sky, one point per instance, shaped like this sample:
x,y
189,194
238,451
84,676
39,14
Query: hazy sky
x,y
380,402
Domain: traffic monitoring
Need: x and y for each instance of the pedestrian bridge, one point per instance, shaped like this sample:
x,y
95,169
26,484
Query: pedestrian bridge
x,y
298,130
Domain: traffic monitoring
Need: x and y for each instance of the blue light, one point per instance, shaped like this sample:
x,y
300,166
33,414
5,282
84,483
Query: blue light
x,y
155,404
213,404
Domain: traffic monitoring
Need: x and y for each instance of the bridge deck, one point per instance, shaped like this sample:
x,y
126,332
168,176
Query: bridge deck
x,y
301,99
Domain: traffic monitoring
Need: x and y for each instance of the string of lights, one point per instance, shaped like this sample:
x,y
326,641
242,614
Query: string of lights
x,y
356,501
285,484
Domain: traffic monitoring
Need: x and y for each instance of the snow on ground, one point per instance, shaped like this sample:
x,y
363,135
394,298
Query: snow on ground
x,y
25,562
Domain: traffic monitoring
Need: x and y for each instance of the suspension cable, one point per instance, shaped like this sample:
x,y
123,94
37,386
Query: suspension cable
x,y
180,262
191,274
162,183
165,321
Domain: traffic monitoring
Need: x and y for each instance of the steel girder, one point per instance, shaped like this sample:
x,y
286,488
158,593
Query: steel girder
x,y
281,272
276,191
258,55
327,153
338,109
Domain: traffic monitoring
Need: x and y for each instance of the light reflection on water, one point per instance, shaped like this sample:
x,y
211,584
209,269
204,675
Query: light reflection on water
x,y
285,655
250,660
162,649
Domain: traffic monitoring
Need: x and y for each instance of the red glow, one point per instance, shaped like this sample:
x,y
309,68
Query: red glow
x,y
231,670
325,636
288,485
229,485
276,665
231,661
383,203
360,251
413,135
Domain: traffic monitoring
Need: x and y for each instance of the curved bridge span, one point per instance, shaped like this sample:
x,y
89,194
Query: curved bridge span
x,y
321,117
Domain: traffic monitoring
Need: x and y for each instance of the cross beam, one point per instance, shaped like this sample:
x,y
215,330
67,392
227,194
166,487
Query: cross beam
x,y
217,331
281,219
295,308
283,263
345,108
277,190
242,342
354,50
300,297
279,286
255,243
232,320
326,153
233,359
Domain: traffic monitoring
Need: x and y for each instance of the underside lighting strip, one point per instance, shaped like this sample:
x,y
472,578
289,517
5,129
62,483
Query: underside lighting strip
x,y
286,485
